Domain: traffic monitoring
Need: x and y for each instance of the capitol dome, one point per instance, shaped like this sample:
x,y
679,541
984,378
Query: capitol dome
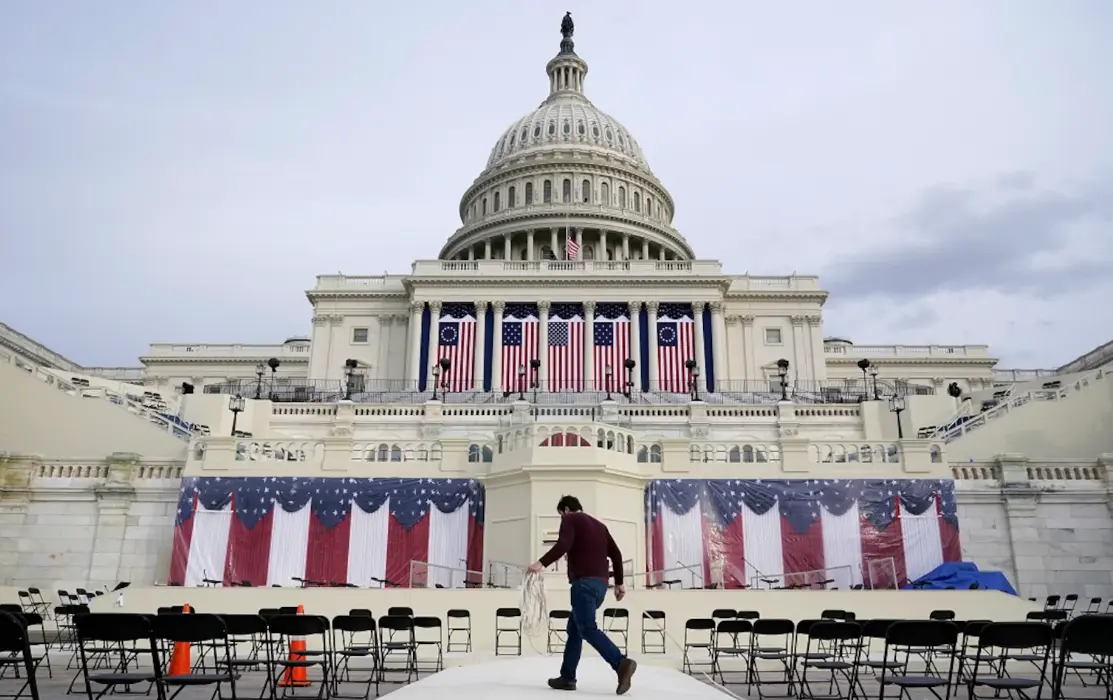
x,y
566,182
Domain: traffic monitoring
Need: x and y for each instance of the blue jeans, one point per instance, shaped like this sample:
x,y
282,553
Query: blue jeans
x,y
587,596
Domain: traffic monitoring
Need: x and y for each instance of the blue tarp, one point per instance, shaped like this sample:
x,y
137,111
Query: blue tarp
x,y
960,575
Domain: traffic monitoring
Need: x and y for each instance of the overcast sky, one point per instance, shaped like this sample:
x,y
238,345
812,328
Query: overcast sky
x,y
181,171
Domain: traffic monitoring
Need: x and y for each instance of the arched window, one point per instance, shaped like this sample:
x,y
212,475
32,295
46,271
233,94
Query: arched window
x,y
498,200
384,452
585,191
655,454
529,193
488,454
511,198
734,455
547,192
621,198
605,194
637,202
474,453
396,454
566,191
648,206
484,206
643,454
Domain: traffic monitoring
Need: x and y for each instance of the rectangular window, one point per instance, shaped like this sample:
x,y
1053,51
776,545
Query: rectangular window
x,y
359,335
773,336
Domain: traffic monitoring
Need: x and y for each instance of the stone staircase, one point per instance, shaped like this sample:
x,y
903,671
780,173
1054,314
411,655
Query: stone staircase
x,y
159,413
963,422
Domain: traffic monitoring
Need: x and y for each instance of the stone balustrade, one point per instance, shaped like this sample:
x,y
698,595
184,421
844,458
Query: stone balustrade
x,y
907,351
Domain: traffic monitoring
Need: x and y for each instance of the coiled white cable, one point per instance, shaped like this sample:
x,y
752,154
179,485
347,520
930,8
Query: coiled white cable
x,y
535,609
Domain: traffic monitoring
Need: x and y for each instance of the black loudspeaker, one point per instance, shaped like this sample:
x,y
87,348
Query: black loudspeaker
x,y
187,388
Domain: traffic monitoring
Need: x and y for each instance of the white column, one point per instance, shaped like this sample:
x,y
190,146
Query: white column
x,y
752,370
383,356
701,347
413,339
589,342
580,241
543,343
635,341
480,343
602,255
496,346
719,342
530,255
645,249
625,246
554,242
799,362
506,247
819,359
487,249
651,308
431,355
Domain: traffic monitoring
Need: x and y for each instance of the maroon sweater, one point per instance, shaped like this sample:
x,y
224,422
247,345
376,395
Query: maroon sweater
x,y
588,544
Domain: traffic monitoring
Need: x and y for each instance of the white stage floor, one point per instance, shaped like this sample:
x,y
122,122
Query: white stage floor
x,y
526,679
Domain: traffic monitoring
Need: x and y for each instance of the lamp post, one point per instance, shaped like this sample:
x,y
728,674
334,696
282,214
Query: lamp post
x,y
897,406
534,382
782,372
444,364
610,376
693,378
864,365
873,373
236,405
273,363
521,382
350,366
260,370
629,364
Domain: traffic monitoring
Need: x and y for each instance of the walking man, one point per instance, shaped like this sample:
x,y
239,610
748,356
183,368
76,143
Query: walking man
x,y
588,545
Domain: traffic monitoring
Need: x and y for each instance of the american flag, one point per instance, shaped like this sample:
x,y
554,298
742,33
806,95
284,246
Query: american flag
x,y
675,346
566,348
274,530
572,248
611,346
456,341
802,532
519,345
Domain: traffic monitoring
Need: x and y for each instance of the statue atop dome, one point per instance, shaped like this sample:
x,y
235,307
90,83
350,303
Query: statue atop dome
x,y
567,26
567,29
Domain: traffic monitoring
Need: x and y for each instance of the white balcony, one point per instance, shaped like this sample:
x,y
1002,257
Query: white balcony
x,y
907,351
202,351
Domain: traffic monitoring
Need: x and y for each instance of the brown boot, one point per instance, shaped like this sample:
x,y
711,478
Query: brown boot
x,y
561,684
625,673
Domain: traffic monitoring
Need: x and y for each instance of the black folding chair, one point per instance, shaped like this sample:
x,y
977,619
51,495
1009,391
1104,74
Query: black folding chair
x,y
557,631
1005,640
246,630
771,643
359,639
508,622
291,670
36,637
110,649
842,642
929,639
16,646
202,630
616,621
699,637
653,632
1089,637
731,642
429,634
459,623
396,638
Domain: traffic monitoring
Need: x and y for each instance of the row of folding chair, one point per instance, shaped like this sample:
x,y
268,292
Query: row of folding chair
x,y
1069,605
989,658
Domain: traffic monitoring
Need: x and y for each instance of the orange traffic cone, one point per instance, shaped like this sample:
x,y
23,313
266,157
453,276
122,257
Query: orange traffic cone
x,y
296,676
179,657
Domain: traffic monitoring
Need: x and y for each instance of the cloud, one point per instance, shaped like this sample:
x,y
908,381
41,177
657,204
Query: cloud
x,y
1008,236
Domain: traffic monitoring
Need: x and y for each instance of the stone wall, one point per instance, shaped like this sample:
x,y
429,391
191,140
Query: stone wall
x,y
1047,525
66,525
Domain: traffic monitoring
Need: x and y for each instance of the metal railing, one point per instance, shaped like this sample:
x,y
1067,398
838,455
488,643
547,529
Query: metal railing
x,y
825,578
390,391
426,575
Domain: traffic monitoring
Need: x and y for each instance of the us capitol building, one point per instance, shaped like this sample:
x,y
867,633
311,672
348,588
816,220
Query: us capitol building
x,y
565,311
